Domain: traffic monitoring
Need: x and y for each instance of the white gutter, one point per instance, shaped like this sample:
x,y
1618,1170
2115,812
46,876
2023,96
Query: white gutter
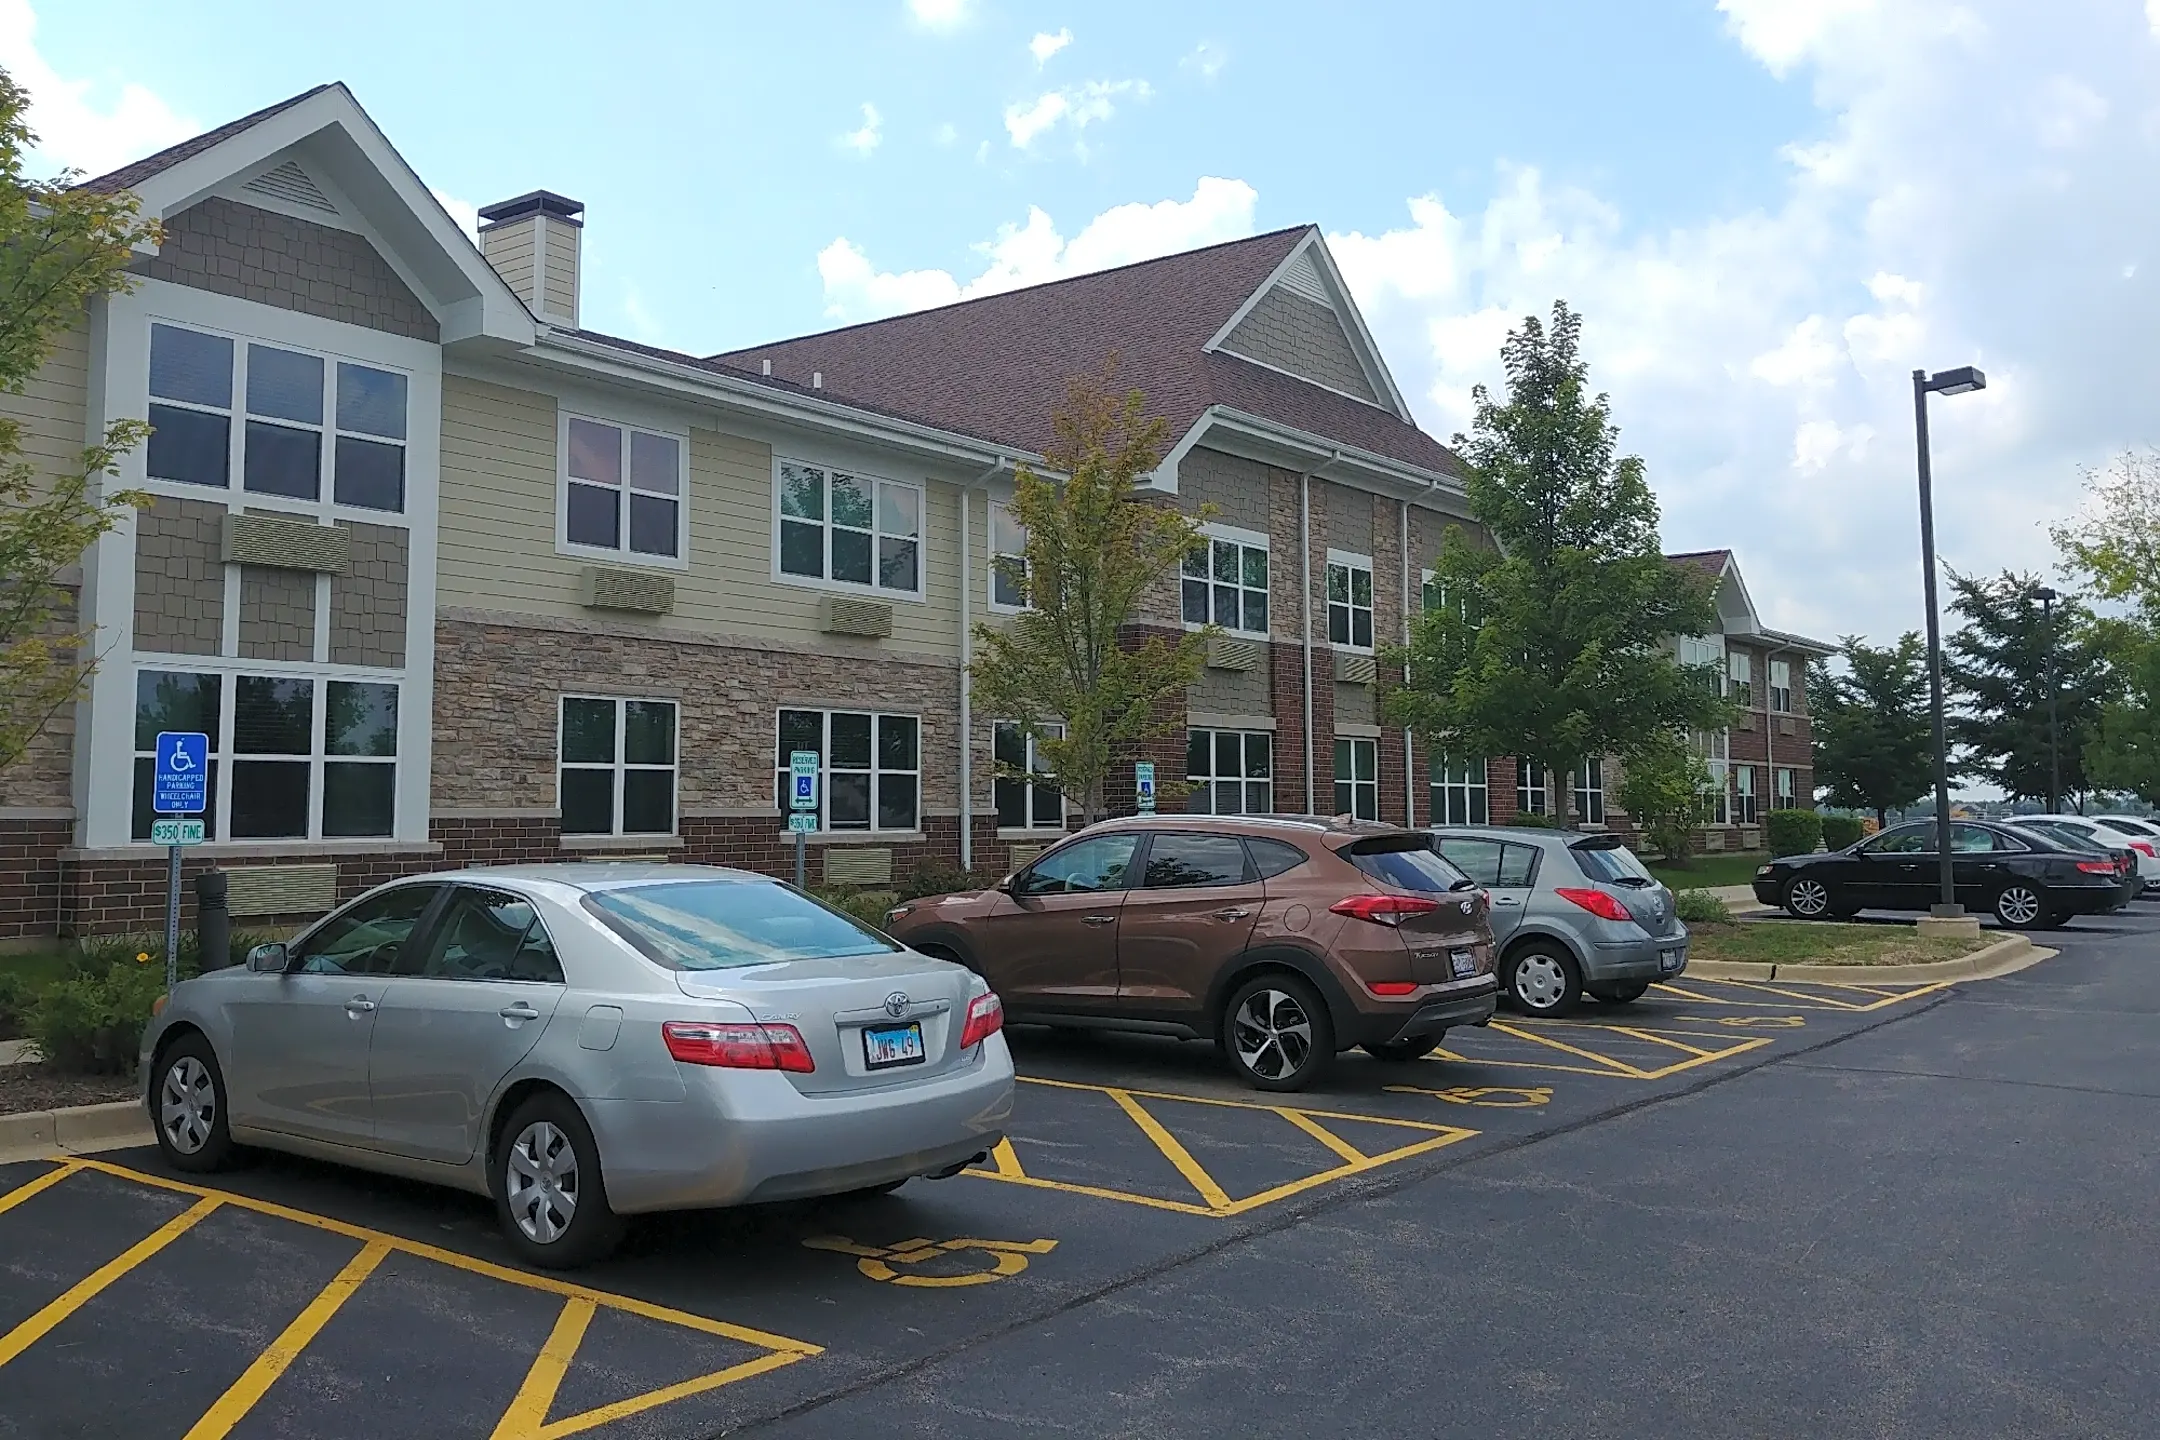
x,y
967,681
1409,743
1304,532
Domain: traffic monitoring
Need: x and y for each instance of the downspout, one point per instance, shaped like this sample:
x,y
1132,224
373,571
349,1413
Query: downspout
x,y
1304,530
1409,745
1769,731
967,654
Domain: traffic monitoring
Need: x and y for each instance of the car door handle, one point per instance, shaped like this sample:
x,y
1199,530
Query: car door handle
x,y
1507,901
359,1005
1097,919
518,1011
1233,913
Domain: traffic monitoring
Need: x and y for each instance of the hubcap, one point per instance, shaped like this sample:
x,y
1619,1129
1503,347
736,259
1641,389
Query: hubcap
x,y
2019,906
1539,981
187,1105
541,1179
1809,897
1272,1034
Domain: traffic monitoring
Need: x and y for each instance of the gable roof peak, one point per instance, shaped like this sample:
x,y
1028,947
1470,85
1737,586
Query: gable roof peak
x,y
128,176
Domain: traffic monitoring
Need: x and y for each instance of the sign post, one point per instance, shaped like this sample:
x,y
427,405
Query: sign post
x,y
802,806
181,786
1144,786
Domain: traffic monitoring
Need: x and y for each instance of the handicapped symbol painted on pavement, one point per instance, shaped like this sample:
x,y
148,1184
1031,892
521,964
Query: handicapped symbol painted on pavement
x,y
1748,1022
1007,1258
1491,1097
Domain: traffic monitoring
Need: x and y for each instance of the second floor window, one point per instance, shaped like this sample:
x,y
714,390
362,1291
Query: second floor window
x,y
1008,559
1705,654
622,490
1742,670
1781,686
1225,583
850,529
1350,603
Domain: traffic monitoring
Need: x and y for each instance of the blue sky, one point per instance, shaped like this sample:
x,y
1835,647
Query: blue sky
x,y
1769,210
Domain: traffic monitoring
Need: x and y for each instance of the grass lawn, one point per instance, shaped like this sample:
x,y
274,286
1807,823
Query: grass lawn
x,y
1796,942
1707,872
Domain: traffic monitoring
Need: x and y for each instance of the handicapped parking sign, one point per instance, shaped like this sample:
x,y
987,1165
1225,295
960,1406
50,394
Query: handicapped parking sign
x,y
182,782
802,773
1144,786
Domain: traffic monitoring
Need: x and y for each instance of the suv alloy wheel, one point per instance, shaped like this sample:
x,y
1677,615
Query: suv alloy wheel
x,y
1276,1032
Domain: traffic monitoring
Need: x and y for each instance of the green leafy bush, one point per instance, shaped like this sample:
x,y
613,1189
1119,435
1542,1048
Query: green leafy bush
x,y
1792,832
943,880
1700,907
868,906
15,1000
1530,821
93,1020
1839,831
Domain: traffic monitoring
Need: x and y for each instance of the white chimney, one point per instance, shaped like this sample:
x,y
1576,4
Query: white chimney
x,y
533,243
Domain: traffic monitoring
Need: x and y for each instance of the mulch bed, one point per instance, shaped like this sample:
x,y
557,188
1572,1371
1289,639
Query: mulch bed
x,y
41,1087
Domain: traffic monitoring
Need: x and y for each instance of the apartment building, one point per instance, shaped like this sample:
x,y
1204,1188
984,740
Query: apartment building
x,y
450,579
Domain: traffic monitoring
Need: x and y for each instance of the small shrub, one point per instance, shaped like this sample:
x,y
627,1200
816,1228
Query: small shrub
x,y
1531,821
1792,832
1839,831
15,1000
868,906
1700,907
93,1020
942,880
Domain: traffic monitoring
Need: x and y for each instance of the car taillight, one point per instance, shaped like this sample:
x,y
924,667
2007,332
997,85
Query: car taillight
x,y
985,1017
2145,846
738,1047
2098,867
1597,902
1384,909
1394,987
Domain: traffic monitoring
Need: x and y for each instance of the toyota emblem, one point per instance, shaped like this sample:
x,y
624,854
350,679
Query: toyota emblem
x,y
896,1004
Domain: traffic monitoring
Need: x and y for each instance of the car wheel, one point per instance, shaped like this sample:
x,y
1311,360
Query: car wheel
x,y
1396,1052
1626,994
1807,898
2021,907
1277,1033
188,1107
549,1194
1543,980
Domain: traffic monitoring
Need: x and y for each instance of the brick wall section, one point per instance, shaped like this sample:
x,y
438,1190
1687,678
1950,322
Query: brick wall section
x,y
273,259
179,579
367,603
30,876
1500,789
1167,750
277,614
1303,337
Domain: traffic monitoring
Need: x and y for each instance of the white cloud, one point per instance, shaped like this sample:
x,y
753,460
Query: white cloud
x,y
1033,252
946,133
1208,58
464,212
1045,45
866,137
940,14
1077,106
82,125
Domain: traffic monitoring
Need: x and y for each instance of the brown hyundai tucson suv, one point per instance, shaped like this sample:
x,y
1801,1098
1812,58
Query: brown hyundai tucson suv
x,y
1285,939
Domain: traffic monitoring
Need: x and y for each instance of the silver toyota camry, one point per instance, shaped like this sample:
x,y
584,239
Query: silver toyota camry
x,y
583,1042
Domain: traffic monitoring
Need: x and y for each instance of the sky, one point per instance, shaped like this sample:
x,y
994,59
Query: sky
x,y
1769,211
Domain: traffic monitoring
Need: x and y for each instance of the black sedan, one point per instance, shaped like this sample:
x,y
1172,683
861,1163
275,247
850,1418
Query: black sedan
x,y
2025,880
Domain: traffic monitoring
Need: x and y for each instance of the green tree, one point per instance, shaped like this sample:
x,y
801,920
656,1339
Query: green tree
x,y
59,247
1662,781
1066,669
1997,670
2124,750
1873,738
2114,540
1558,644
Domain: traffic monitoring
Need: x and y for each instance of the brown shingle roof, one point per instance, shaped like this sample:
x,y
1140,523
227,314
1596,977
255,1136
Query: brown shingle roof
x,y
998,365
1706,562
127,177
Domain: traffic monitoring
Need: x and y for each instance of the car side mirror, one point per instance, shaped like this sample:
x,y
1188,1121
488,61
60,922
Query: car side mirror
x,y
270,959
1005,885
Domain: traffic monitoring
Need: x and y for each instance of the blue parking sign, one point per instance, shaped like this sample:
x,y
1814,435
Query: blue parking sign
x,y
182,783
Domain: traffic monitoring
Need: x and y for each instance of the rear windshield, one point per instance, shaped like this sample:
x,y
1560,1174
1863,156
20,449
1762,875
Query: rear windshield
x,y
1407,862
726,924
2140,828
2070,835
1613,864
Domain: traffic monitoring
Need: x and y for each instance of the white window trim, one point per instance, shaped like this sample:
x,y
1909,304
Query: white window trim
x,y
920,595
1543,789
620,768
1355,784
875,770
1584,789
1354,562
1242,780
991,554
1775,688
1477,780
1787,794
1744,789
1251,539
1056,827
622,555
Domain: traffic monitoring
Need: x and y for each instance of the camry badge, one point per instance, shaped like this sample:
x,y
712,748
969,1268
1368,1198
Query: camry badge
x,y
896,1004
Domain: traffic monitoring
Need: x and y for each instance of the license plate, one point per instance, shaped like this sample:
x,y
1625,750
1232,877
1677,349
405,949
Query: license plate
x,y
1669,961
887,1045
1464,963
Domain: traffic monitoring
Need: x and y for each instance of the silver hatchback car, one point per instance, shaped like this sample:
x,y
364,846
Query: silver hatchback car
x,y
1571,914
582,1042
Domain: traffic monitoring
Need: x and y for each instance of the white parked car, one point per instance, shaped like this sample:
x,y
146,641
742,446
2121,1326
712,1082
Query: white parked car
x,y
2107,830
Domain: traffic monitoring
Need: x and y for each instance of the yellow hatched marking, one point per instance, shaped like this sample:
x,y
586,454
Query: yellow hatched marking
x,y
83,1291
240,1397
1605,1066
1812,1000
1007,1161
1329,1138
1613,1067
1195,1174
528,1412
43,1182
1654,1038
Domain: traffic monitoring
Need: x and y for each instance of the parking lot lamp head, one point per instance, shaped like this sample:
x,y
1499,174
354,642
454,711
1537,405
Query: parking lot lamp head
x,y
1944,382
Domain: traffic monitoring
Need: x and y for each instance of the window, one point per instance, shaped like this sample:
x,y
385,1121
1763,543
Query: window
x,y
1498,863
1434,597
1783,779
1458,792
1231,772
1032,804
850,529
1705,653
291,778
1532,792
1226,584
1272,857
618,766
367,938
1184,861
301,416
1714,746
1740,666
1743,794
491,935
1084,867
1972,840
1008,559
1357,778
622,490
1590,792
1781,686
1406,861
870,767
1904,840
1349,602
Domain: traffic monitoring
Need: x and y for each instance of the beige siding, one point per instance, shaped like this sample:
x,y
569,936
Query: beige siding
x,y
497,544
51,409
509,248
561,274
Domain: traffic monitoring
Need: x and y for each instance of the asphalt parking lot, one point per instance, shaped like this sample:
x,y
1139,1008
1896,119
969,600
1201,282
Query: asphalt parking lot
x,y
291,1298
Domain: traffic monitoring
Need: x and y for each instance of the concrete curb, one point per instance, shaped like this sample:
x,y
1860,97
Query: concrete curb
x,y
2011,953
74,1129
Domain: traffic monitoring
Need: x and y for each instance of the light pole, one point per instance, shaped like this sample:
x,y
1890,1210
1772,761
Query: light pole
x,y
1945,382
2046,596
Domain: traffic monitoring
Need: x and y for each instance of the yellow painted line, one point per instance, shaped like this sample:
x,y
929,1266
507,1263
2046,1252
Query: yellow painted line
x,y
43,1182
1007,1161
528,1411
1690,994
1616,1067
1326,1137
83,1291
1100,1192
1232,1104
666,1395
1652,1037
1195,1173
1810,1000
241,1396
1344,1172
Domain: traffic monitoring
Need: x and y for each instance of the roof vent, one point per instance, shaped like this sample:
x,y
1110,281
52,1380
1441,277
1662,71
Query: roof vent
x,y
817,380
290,183
766,365
1302,277
533,243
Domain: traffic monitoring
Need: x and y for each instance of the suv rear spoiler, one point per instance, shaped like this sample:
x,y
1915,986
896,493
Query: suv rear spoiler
x,y
1606,840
